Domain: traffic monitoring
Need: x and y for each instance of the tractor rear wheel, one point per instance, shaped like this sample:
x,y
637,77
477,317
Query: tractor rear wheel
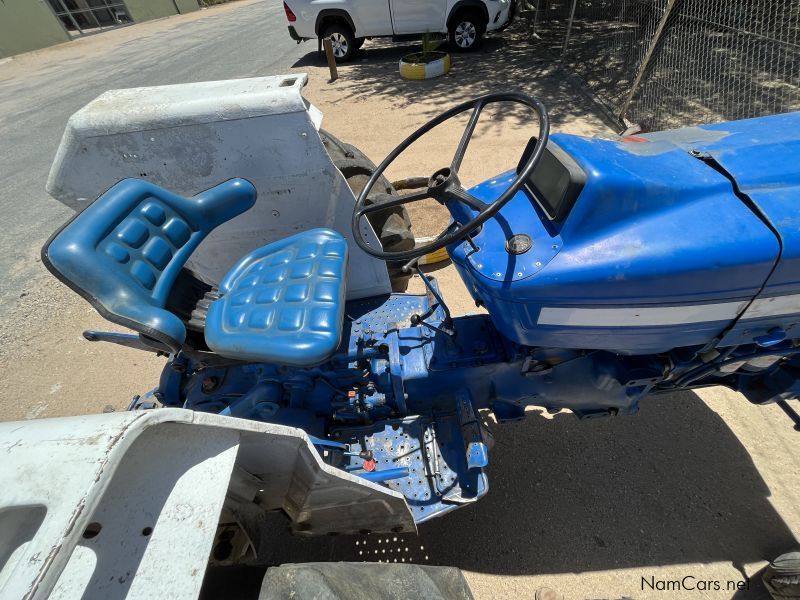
x,y
364,581
392,226
782,577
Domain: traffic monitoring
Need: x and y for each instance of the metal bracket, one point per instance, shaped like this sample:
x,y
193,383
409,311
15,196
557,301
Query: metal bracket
x,y
477,451
128,340
396,372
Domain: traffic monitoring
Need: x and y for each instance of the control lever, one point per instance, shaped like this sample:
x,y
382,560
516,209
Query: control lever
x,y
128,340
447,324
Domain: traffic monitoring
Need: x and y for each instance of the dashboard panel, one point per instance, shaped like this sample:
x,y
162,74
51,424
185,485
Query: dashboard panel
x,y
556,182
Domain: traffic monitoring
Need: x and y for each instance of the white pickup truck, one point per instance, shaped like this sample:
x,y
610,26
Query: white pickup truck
x,y
349,22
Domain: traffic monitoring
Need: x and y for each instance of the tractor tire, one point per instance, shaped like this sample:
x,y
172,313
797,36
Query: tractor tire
x,y
363,581
782,577
392,226
344,42
466,29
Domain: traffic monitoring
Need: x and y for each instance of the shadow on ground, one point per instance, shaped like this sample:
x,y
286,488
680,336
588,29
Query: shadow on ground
x,y
507,61
672,485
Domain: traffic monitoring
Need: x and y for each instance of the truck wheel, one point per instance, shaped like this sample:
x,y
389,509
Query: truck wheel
x,y
466,30
393,225
344,42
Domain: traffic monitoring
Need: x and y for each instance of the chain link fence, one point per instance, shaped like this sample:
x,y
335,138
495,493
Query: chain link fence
x,y
673,63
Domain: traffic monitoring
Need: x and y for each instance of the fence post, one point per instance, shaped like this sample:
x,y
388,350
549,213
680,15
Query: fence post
x,y
328,44
647,56
536,14
569,27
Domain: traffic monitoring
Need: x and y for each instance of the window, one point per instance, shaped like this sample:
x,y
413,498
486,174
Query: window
x,y
80,17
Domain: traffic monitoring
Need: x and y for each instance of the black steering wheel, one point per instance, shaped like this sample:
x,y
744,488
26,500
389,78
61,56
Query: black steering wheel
x,y
444,186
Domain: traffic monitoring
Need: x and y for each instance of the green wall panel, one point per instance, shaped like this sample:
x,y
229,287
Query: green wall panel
x,y
144,10
28,25
185,6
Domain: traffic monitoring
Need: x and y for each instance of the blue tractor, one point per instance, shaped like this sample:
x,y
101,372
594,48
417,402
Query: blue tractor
x,y
610,271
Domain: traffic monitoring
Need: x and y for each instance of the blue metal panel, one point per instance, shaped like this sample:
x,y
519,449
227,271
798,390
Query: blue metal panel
x,y
430,458
653,229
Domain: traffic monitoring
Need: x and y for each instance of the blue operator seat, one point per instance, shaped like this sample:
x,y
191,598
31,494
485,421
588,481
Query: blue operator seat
x,y
282,303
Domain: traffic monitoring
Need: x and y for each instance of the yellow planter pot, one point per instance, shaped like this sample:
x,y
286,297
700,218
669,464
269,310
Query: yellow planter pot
x,y
411,68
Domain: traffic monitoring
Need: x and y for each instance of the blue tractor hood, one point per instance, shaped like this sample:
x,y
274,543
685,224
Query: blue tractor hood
x,y
673,238
762,156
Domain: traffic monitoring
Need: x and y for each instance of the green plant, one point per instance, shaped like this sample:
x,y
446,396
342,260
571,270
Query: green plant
x,y
430,42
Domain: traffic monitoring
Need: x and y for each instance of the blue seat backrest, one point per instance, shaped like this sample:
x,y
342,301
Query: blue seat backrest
x,y
124,251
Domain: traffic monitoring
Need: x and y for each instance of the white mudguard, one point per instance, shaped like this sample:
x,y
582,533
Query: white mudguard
x,y
126,505
190,137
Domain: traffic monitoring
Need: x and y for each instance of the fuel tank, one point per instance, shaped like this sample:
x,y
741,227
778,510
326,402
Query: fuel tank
x,y
659,247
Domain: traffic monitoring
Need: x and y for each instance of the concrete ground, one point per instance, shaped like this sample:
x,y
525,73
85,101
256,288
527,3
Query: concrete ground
x,y
700,485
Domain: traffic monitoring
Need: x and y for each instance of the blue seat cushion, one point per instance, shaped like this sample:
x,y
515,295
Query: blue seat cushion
x,y
283,303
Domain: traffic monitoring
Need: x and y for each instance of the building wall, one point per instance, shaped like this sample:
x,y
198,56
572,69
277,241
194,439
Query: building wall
x,y
185,6
144,10
28,25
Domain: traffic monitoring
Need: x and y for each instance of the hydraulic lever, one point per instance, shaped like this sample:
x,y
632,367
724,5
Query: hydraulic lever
x,y
447,324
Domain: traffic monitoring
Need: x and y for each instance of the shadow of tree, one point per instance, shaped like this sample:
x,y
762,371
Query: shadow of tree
x,y
510,60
